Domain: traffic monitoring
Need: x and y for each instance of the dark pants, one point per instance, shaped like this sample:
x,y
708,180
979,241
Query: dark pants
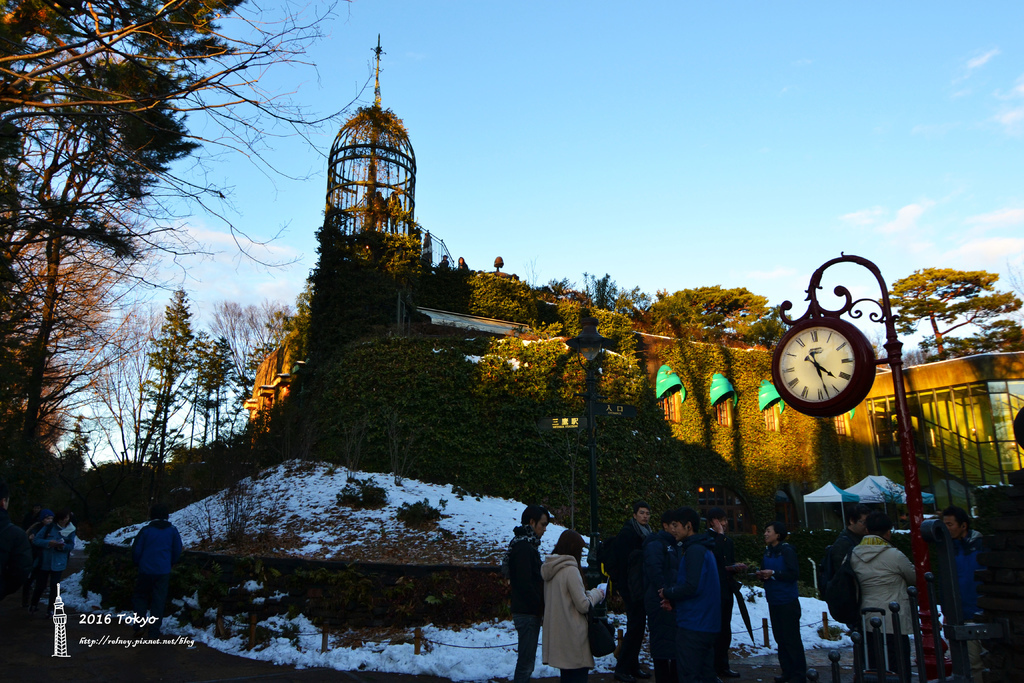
x,y
724,639
636,623
528,628
695,656
573,675
149,596
43,579
34,578
890,644
786,629
665,671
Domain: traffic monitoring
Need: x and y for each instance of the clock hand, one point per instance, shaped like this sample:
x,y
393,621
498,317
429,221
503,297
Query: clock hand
x,y
821,367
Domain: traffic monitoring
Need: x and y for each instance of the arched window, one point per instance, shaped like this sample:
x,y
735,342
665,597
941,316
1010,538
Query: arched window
x,y
736,511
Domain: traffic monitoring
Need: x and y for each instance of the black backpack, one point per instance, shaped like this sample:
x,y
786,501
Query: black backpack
x,y
842,594
635,574
826,570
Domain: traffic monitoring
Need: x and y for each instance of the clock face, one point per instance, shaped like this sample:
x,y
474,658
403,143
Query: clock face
x,y
823,367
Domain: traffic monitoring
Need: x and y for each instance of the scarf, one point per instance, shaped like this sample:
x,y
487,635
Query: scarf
x,y
642,530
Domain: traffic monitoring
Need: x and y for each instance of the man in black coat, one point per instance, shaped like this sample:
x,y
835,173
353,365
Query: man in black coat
x,y
848,539
662,552
725,556
527,587
15,551
629,559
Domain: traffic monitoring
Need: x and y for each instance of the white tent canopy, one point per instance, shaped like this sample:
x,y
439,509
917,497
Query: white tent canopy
x,y
829,493
879,489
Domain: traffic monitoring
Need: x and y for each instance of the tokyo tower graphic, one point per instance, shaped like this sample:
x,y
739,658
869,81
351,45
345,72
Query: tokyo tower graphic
x,y
60,634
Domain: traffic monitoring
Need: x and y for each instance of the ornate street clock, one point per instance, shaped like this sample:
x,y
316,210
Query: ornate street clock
x,y
823,366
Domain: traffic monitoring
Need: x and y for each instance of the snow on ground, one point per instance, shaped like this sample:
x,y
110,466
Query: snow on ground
x,y
298,508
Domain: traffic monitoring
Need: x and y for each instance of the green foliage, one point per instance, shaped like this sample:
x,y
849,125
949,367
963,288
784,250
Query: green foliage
x,y
947,300
363,494
709,314
503,298
419,514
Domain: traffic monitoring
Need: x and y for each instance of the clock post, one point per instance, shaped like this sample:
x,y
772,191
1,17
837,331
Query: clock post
x,y
818,316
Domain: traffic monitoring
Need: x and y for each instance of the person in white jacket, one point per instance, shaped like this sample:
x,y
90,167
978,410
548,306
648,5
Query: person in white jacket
x,y
566,605
884,573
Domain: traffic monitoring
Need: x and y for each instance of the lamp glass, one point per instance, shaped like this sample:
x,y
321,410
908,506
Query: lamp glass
x,y
590,350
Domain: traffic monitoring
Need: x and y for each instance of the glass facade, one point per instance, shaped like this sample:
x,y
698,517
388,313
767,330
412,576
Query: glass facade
x,y
963,437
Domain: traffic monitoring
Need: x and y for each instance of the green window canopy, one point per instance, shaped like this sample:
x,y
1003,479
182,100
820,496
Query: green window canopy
x,y
721,388
667,383
768,395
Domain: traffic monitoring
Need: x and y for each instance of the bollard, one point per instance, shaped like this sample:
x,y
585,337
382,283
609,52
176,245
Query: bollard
x,y
897,635
218,629
879,647
764,627
915,620
858,656
834,656
824,626
940,655
323,639
417,636
252,630
812,675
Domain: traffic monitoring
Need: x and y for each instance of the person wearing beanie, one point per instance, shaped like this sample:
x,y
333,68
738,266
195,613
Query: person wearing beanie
x,y
154,550
44,516
780,571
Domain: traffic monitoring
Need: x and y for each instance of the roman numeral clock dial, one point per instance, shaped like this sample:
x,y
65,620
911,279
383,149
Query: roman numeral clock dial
x,y
823,367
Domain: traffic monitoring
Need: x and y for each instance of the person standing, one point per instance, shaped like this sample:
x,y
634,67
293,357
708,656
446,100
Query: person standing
x,y
154,550
15,551
31,517
57,540
661,564
883,573
566,606
780,571
45,518
847,540
966,546
627,573
527,586
725,559
695,596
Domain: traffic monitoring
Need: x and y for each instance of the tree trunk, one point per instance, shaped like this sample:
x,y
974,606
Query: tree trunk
x,y
38,358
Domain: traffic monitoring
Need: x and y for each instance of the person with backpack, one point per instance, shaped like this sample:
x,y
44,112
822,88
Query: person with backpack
x,y
57,540
15,551
847,540
522,566
154,550
780,571
883,573
627,578
661,564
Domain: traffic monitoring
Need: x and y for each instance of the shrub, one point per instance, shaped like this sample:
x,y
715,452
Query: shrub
x,y
363,494
418,514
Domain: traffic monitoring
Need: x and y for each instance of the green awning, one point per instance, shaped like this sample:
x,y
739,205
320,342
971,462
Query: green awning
x,y
668,383
768,395
721,388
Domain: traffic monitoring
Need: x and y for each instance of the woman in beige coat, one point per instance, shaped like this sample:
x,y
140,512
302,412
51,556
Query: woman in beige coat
x,y
566,605
884,573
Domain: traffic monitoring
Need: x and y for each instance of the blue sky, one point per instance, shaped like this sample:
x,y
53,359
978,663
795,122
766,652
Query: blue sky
x,y
669,144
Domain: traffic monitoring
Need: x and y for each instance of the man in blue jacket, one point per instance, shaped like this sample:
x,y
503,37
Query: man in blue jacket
x,y
154,550
697,600
966,546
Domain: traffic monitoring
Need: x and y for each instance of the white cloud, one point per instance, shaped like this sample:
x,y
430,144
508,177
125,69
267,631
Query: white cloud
x,y
981,60
991,252
906,218
864,216
1011,120
1003,218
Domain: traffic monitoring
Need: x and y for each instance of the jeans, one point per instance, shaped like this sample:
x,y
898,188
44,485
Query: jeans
x,y
786,629
528,628
695,656
573,675
149,596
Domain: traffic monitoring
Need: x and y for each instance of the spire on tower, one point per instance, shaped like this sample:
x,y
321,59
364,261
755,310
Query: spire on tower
x,y
376,85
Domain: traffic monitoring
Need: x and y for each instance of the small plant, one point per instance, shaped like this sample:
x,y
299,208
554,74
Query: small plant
x,y
363,494
418,514
754,595
834,633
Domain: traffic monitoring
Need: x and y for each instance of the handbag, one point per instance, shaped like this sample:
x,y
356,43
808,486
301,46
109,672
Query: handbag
x,y
599,633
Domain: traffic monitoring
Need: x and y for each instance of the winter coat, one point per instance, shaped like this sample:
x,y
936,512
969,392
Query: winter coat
x,y
725,556
844,543
966,556
661,564
156,547
630,538
781,588
695,594
54,559
527,586
15,555
883,573
566,605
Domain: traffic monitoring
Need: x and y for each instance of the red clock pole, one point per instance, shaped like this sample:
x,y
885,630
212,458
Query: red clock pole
x,y
894,359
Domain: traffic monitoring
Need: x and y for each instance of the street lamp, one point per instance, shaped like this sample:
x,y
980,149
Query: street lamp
x,y
589,344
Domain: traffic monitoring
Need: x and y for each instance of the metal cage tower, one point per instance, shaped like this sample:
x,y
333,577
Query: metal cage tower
x,y
371,173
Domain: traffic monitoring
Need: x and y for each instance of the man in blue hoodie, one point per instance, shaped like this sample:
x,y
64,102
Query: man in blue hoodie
x,y
154,550
697,600
966,546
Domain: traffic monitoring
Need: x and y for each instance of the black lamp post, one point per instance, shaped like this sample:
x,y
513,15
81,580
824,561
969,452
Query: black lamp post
x,y
589,344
